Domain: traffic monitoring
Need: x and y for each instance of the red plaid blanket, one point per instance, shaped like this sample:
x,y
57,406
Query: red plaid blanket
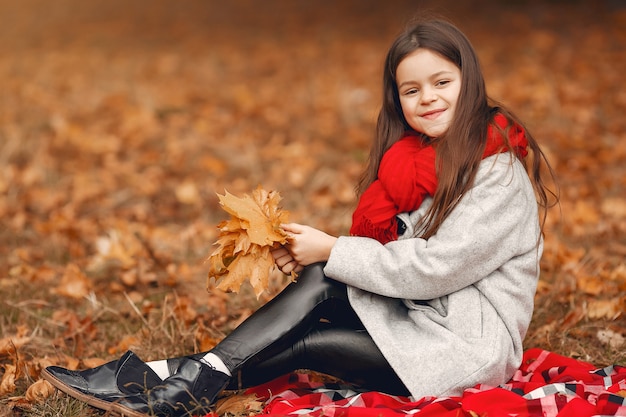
x,y
546,385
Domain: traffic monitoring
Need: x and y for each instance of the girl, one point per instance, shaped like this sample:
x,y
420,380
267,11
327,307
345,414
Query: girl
x,y
442,308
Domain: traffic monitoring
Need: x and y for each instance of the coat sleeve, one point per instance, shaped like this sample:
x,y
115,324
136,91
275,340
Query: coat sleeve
x,y
492,224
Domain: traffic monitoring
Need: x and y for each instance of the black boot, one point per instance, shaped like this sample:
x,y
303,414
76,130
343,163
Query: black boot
x,y
106,384
191,391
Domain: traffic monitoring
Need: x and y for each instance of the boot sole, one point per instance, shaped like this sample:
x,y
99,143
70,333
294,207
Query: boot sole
x,y
112,407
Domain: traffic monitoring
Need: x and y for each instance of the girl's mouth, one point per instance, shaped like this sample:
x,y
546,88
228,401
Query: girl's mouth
x,y
433,114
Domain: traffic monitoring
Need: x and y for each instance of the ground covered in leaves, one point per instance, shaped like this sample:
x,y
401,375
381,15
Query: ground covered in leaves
x,y
121,121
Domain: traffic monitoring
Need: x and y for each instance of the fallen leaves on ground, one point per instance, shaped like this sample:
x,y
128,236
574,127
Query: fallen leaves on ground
x,y
239,405
120,123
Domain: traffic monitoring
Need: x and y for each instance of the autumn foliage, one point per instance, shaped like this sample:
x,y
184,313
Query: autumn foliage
x,y
245,240
121,121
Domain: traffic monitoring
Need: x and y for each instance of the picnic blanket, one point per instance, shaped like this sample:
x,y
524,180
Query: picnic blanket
x,y
546,385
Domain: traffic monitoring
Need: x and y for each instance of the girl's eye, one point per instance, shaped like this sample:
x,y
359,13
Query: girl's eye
x,y
411,91
442,82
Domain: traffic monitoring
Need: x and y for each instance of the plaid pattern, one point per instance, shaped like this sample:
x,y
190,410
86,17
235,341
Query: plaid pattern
x,y
546,385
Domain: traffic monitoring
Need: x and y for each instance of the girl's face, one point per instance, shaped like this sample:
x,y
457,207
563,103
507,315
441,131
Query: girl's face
x,y
429,87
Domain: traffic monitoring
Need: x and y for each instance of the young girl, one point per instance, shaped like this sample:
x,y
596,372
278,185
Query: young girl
x,y
442,308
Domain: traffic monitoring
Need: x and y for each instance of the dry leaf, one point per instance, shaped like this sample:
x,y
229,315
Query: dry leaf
x,y
9,345
246,239
610,309
39,391
239,405
259,215
205,339
187,193
615,207
590,284
16,403
125,344
71,362
93,362
184,310
116,247
74,283
609,337
7,384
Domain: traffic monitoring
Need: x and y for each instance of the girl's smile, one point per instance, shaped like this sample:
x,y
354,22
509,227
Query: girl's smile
x,y
430,115
428,86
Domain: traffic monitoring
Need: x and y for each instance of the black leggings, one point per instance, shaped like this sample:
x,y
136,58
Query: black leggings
x,y
309,325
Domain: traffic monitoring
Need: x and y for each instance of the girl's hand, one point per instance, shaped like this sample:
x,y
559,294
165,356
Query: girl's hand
x,y
285,261
308,245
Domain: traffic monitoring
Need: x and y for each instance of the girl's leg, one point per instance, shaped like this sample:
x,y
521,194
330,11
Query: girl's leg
x,y
287,318
269,331
279,323
342,352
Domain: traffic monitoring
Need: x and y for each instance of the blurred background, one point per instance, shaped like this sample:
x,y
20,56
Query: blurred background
x,y
121,120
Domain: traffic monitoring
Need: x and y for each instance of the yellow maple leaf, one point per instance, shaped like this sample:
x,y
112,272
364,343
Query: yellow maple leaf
x,y
258,214
245,240
254,267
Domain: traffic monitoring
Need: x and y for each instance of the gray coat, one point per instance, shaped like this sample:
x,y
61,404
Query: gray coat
x,y
477,276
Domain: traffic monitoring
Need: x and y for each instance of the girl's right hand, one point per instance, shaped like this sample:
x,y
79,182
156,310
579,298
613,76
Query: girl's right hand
x,y
285,261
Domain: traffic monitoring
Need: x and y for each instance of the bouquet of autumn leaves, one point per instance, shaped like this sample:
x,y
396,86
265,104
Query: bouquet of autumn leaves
x,y
245,240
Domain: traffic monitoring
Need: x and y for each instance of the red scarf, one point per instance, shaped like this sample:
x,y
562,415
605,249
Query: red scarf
x,y
407,175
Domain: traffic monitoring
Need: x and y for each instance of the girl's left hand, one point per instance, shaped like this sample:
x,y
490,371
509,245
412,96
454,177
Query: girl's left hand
x,y
285,261
308,245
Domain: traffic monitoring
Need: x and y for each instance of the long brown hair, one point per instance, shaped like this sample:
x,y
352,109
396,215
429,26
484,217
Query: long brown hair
x,y
459,150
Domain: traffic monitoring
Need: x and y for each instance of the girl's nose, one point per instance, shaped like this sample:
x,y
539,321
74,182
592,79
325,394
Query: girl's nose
x,y
428,95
